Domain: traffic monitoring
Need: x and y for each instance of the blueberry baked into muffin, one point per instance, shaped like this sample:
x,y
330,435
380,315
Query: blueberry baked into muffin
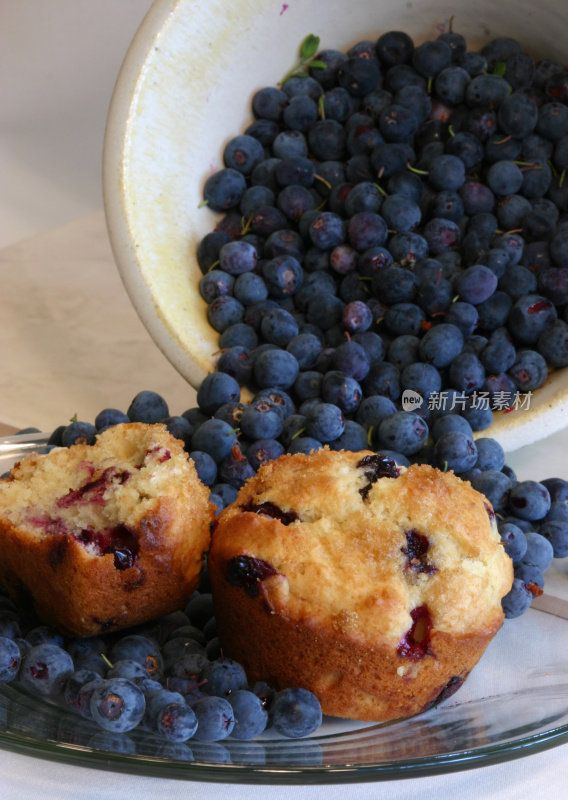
x,y
376,587
105,536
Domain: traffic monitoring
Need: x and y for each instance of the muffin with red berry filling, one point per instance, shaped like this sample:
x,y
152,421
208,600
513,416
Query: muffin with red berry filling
x,y
376,587
103,536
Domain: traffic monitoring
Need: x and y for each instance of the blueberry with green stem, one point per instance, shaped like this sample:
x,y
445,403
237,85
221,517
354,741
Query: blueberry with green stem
x,y
307,59
208,249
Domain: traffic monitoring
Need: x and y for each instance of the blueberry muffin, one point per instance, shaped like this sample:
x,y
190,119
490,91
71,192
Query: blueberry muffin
x,y
105,536
376,587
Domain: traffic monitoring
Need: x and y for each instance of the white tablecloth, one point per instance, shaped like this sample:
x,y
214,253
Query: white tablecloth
x,y
542,775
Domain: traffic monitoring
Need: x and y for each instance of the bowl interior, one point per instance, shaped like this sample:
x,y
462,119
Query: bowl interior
x,y
185,89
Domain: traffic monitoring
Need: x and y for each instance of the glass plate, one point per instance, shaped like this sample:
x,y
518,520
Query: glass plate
x,y
514,703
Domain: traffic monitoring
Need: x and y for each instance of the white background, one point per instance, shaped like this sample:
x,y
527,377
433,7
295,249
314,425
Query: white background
x,y
58,63
70,340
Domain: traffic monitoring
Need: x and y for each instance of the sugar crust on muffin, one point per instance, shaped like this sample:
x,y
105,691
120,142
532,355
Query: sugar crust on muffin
x,y
377,592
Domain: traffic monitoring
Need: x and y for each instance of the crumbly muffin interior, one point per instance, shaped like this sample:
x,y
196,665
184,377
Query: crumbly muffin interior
x,y
95,494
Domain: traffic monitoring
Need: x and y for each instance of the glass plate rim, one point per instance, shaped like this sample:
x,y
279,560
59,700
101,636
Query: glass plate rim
x,y
158,767
148,765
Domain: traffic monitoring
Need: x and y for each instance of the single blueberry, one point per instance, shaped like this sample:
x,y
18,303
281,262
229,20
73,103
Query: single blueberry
x,y
215,719
539,552
517,600
514,540
147,406
251,718
223,677
78,433
295,712
117,705
529,500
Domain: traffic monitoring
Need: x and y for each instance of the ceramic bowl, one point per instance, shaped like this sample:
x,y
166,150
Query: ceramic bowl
x,y
185,89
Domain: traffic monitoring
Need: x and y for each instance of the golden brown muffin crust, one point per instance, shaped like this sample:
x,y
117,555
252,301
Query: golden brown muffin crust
x,y
350,567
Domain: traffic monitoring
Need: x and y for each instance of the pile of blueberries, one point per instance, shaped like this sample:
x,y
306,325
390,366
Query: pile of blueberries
x,y
394,222
167,678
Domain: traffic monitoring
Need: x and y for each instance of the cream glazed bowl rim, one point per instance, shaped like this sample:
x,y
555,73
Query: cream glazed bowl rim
x,y
184,89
